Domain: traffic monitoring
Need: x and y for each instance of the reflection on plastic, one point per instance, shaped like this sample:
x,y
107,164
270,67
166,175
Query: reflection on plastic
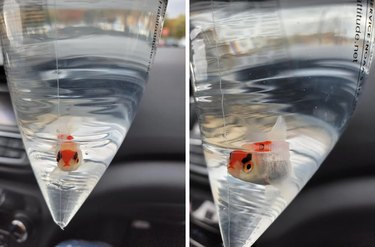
x,y
253,61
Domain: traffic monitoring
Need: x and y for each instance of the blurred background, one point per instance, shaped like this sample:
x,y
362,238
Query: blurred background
x,y
173,34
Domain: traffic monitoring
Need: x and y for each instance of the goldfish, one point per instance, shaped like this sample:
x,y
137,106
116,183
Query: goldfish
x,y
263,162
68,153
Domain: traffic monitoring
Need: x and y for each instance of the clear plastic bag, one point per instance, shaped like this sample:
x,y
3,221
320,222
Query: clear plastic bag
x,y
76,72
254,62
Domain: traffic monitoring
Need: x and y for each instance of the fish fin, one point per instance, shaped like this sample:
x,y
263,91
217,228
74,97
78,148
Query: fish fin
x,y
66,126
256,135
278,131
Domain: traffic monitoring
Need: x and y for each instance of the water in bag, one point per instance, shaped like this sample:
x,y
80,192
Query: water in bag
x,y
275,83
76,71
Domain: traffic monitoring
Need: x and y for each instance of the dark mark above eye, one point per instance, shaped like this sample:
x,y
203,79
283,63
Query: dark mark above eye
x,y
58,157
246,159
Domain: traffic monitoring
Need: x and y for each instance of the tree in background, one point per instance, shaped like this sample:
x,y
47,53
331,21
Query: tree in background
x,y
175,27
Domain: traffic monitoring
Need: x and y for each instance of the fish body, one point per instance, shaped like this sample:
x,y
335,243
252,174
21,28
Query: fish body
x,y
263,162
68,153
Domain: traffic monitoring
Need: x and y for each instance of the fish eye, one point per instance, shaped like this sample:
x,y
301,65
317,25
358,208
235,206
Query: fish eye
x,y
75,157
247,167
58,157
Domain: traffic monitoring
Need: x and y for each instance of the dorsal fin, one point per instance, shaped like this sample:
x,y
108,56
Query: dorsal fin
x,y
278,131
255,135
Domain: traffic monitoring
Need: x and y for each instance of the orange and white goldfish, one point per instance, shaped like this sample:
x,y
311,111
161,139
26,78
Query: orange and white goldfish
x,y
263,162
68,153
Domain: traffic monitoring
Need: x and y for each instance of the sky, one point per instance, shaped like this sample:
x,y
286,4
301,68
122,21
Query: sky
x,y
175,8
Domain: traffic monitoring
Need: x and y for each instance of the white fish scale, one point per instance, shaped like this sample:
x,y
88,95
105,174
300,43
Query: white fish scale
x,y
276,168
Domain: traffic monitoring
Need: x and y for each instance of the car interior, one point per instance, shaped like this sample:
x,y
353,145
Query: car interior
x,y
335,208
140,200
